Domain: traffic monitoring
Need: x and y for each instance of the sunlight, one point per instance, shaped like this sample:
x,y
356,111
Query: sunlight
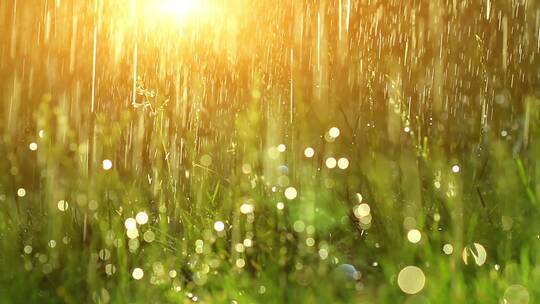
x,y
270,151
172,13
178,8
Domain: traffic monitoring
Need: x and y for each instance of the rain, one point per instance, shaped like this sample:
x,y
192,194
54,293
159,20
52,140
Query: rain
x,y
285,151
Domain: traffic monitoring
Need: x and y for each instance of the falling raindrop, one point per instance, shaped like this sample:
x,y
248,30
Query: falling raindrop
x,y
362,210
130,223
219,226
246,208
448,249
141,218
516,294
331,162
62,205
411,280
477,252
334,132
290,193
414,236
21,192
343,163
107,164
309,152
137,273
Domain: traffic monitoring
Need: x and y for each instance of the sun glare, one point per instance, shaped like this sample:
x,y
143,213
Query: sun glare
x,y
178,8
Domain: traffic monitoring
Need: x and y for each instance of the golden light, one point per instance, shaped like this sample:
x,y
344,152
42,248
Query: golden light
x,y
178,8
173,15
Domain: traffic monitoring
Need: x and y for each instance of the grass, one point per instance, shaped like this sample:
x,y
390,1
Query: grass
x,y
220,124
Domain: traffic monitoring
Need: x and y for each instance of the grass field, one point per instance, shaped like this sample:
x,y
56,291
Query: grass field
x,y
212,151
